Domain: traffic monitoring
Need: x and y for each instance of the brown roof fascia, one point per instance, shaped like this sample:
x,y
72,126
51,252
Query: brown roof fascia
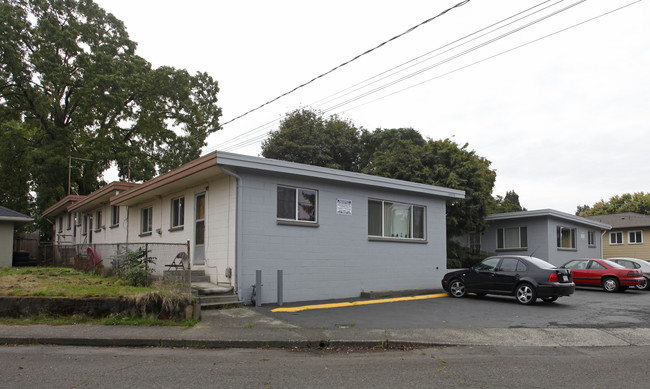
x,y
62,205
192,167
102,196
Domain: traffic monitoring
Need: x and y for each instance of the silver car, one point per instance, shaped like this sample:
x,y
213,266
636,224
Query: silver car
x,y
635,263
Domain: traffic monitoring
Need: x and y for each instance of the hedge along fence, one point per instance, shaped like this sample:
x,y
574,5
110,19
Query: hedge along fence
x,y
102,255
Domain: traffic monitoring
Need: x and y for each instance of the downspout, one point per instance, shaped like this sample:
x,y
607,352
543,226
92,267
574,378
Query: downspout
x,y
602,234
238,229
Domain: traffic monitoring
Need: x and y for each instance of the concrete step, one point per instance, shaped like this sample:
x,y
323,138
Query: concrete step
x,y
210,289
220,302
215,301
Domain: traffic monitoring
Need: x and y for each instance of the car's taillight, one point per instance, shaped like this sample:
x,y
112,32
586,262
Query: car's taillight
x,y
633,273
552,277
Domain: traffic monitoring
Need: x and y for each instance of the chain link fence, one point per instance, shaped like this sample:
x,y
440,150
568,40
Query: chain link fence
x,y
105,256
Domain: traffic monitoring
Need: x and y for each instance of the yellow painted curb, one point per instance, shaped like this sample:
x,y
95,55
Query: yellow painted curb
x,y
357,303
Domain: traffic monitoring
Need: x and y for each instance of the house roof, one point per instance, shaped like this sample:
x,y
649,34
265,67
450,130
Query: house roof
x,y
188,174
298,169
209,165
623,220
548,213
62,205
101,196
9,215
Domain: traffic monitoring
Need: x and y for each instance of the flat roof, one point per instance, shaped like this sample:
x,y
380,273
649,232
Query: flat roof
x,y
303,170
548,213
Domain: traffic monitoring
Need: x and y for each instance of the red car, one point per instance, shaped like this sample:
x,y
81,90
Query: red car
x,y
609,275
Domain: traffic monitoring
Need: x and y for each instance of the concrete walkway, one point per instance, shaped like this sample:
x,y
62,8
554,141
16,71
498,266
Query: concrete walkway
x,y
246,328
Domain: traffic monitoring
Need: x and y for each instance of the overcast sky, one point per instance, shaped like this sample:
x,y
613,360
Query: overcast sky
x,y
565,120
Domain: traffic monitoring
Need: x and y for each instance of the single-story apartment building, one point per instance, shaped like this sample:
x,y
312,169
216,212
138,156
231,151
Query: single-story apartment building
x,y
9,220
554,236
334,234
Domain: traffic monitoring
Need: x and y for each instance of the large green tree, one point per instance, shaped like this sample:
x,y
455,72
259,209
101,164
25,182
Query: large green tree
x,y
507,203
305,136
638,202
72,85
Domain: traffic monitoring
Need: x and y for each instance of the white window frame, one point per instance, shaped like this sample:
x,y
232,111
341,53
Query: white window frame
x,y
98,219
177,221
146,226
616,233
522,235
412,222
296,203
84,224
591,238
68,221
573,233
632,237
115,215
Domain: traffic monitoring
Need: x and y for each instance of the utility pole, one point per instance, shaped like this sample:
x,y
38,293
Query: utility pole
x,y
70,158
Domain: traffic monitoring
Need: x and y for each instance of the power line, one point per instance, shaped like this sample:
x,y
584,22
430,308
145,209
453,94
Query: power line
x,y
227,145
349,61
474,48
499,54
244,143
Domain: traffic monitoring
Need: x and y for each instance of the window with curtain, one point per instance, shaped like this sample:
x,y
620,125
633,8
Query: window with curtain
x,y
395,220
512,238
566,237
297,204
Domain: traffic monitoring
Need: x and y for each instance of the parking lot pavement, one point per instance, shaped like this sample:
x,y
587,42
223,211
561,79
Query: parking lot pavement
x,y
586,308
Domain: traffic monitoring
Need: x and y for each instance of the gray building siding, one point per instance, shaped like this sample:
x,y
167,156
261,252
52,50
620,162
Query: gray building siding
x,y
336,258
542,239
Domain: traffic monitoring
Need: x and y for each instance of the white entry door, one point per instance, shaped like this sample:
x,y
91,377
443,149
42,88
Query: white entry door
x,y
199,230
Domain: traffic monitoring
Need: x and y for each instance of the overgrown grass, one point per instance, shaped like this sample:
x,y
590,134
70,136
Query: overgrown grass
x,y
71,283
63,282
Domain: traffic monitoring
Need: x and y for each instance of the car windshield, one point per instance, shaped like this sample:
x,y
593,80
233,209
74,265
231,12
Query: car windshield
x,y
540,263
613,264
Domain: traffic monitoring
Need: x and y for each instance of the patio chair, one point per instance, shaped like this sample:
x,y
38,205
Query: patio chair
x,y
178,261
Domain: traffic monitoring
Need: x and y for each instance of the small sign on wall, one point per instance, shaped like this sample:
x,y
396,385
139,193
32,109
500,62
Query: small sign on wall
x,y
343,207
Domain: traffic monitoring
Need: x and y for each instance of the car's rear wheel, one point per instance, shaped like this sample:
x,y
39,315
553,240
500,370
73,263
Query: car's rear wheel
x,y
610,284
457,288
549,299
525,294
645,285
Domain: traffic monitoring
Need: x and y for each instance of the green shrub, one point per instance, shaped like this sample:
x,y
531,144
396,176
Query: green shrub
x,y
134,267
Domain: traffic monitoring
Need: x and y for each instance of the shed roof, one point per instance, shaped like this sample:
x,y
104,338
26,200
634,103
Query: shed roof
x,y
9,215
548,213
623,220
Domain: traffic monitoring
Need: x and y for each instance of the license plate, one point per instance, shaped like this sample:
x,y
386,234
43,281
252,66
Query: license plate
x,y
565,278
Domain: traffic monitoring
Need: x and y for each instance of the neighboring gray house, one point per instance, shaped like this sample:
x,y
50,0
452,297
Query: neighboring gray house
x,y
333,233
547,234
9,220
